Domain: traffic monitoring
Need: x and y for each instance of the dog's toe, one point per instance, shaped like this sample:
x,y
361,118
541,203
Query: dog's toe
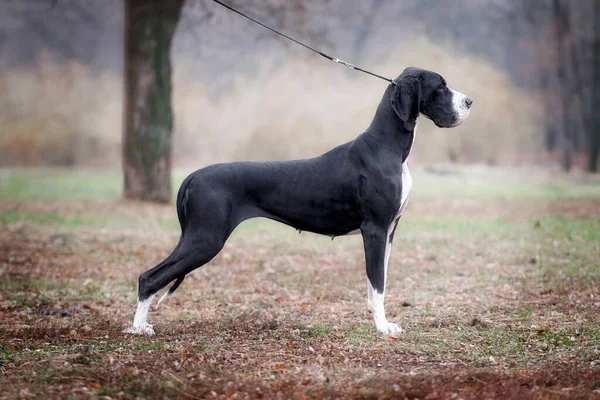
x,y
394,329
146,329
389,328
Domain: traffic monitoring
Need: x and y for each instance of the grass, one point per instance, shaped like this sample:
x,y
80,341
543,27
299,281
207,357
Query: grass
x,y
59,185
498,296
74,221
66,184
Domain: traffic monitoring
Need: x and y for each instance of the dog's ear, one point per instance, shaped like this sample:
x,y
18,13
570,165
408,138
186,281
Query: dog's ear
x,y
405,100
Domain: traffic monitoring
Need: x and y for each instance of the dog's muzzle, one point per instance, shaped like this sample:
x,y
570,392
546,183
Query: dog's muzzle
x,y
462,107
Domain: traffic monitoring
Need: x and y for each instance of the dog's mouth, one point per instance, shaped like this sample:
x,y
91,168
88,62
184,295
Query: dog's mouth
x,y
460,117
457,119
427,116
437,123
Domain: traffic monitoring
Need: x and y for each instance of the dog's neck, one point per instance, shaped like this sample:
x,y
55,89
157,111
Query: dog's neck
x,y
389,128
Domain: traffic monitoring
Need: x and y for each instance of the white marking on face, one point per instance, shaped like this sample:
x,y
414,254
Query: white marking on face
x,y
460,107
140,326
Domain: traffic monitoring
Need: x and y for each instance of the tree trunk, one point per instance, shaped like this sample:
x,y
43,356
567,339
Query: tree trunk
x,y
594,127
148,118
561,18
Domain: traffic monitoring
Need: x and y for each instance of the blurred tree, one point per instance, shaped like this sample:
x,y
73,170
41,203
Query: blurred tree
x,y
148,117
594,125
518,36
561,23
48,25
564,37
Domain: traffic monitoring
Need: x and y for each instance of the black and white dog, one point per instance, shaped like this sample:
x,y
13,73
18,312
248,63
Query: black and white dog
x,y
361,186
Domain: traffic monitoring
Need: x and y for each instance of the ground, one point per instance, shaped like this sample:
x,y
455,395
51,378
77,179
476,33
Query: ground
x,y
494,276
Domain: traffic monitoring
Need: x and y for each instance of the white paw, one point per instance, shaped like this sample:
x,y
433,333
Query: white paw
x,y
388,328
145,329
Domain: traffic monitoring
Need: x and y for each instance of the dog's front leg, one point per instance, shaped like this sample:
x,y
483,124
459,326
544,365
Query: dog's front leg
x,y
377,243
369,296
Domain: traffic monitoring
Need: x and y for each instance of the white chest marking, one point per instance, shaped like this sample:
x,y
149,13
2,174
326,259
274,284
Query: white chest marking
x,y
406,186
406,182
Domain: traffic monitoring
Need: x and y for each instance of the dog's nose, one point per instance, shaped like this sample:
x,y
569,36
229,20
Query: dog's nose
x,y
468,102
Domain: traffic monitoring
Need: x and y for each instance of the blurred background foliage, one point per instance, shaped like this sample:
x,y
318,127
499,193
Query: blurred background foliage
x,y
240,92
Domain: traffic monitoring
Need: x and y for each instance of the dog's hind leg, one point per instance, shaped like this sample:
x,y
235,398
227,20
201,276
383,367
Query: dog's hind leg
x,y
140,325
169,292
206,227
187,256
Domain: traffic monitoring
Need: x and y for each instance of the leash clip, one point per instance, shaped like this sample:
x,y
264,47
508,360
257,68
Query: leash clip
x,y
347,64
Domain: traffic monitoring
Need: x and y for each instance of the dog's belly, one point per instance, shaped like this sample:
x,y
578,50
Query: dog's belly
x,y
328,223
331,213
309,195
316,195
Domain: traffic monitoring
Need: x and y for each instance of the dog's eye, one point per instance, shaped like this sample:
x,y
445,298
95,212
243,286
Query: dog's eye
x,y
442,86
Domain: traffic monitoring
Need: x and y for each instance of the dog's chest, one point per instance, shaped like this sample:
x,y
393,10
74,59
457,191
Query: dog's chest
x,y
406,186
406,179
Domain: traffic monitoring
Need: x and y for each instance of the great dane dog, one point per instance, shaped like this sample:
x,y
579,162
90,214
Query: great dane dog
x,y
360,186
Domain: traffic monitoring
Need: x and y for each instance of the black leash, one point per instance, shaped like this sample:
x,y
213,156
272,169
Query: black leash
x,y
327,56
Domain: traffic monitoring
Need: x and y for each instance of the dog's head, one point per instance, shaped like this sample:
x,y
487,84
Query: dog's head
x,y
421,91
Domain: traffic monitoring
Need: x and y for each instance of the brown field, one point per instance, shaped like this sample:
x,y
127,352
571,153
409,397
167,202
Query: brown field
x,y
497,288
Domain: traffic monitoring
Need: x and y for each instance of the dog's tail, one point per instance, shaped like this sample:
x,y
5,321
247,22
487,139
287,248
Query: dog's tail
x,y
170,291
182,197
